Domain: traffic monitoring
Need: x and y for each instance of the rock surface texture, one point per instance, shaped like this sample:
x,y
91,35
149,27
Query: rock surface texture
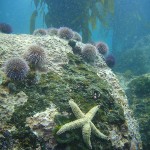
x,y
37,107
138,93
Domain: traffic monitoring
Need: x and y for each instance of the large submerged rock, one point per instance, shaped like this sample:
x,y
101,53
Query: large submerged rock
x,y
138,93
34,123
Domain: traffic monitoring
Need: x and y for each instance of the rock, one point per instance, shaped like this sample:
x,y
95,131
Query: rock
x,y
8,104
42,124
139,99
67,77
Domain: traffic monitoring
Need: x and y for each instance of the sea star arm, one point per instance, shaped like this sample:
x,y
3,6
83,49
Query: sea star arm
x,y
72,125
97,132
92,112
76,110
86,132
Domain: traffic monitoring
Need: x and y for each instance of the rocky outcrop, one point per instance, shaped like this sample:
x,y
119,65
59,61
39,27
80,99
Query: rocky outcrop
x,y
66,77
139,99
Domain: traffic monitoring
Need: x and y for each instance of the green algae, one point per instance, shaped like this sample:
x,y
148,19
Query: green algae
x,y
139,96
83,82
79,82
140,86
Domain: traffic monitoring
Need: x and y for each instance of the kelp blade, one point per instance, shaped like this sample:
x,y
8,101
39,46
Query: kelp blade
x,y
32,21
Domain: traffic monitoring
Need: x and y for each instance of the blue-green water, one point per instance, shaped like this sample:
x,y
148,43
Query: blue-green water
x,y
123,24
128,15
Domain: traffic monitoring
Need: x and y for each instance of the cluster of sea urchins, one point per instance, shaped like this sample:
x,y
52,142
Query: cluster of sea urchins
x,y
63,32
89,52
18,68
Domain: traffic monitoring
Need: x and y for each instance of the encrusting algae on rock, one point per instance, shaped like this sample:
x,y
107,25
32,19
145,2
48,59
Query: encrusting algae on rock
x,y
42,124
67,77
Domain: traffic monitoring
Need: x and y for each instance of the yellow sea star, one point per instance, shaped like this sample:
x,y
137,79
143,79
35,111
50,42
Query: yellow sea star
x,y
84,121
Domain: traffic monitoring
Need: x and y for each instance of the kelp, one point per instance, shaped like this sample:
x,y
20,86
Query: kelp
x,y
86,33
36,3
39,5
90,12
33,20
98,11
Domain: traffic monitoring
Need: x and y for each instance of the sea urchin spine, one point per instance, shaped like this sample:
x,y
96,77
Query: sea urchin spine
x,y
65,33
16,68
36,56
89,53
102,48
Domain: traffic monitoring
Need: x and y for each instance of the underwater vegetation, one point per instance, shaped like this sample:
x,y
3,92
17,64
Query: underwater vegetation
x,y
82,91
5,28
49,114
59,96
75,14
6,141
139,100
